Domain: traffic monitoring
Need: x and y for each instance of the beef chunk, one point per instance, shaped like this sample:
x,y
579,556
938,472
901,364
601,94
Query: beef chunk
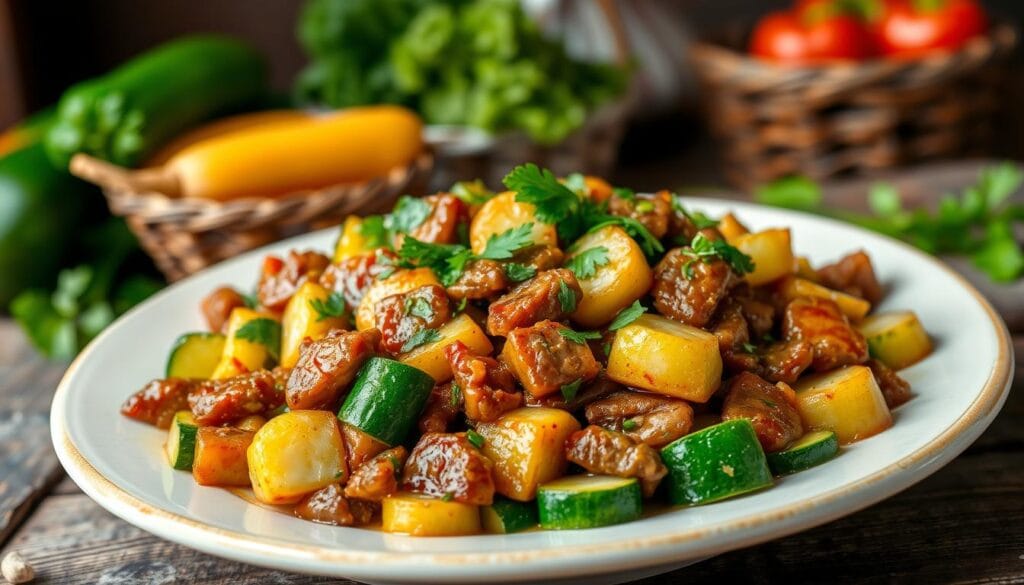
x,y
488,389
760,316
597,389
329,506
648,418
853,275
360,447
399,317
784,361
820,322
354,275
448,465
895,389
157,401
482,279
327,366
770,408
544,360
654,211
280,279
441,226
730,327
443,407
690,299
217,307
377,478
599,450
218,402
540,257
551,294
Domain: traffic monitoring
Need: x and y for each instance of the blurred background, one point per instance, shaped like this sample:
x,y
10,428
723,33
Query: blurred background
x,y
699,96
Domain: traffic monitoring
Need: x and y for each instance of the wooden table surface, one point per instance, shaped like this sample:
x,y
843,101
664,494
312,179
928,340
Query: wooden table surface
x,y
965,524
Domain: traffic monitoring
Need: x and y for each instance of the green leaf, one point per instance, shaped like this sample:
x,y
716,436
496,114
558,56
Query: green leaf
x,y
707,250
885,200
570,390
332,306
266,332
579,337
504,245
577,183
998,182
629,424
566,297
749,347
373,230
554,201
456,396
409,213
472,192
627,316
419,307
448,261
72,283
585,264
624,193
475,438
519,272
421,337
1001,256
792,192
251,300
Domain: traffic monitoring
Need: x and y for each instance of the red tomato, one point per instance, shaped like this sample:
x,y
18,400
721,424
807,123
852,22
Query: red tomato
x,y
915,28
797,37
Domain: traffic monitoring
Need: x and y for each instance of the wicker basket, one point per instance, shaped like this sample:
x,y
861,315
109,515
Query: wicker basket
x,y
774,120
186,235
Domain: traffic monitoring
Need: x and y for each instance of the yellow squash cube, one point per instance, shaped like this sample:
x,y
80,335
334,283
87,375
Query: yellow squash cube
x,y
667,357
527,446
351,242
846,401
401,281
430,357
731,228
419,515
295,454
896,339
302,320
855,308
242,356
625,278
771,251
502,213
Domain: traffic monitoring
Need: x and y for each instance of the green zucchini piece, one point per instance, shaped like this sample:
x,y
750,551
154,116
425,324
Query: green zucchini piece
x,y
715,463
195,355
386,399
588,501
505,516
181,440
812,449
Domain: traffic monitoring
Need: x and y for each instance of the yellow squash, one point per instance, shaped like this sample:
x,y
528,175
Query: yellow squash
x,y
896,339
223,126
419,515
430,357
352,242
502,213
242,355
731,227
623,279
846,401
771,251
302,320
855,308
295,454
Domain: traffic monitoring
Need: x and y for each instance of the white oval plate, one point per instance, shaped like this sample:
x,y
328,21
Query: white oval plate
x,y
959,389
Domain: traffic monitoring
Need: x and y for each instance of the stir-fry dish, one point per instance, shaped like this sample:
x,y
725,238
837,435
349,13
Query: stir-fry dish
x,y
560,355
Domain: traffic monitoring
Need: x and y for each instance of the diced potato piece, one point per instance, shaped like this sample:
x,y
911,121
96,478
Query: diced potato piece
x,y
400,282
430,357
896,339
772,253
667,357
846,401
301,320
420,515
351,242
853,307
241,355
220,456
625,278
295,454
527,446
731,227
502,213
253,422
597,188
803,269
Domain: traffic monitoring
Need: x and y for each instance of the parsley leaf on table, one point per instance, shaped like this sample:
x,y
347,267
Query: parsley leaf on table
x,y
332,306
266,332
585,264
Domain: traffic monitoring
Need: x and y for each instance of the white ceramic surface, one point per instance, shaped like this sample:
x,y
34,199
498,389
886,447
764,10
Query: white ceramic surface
x,y
959,389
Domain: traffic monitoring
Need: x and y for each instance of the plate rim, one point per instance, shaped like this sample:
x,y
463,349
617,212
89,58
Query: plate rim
x,y
632,553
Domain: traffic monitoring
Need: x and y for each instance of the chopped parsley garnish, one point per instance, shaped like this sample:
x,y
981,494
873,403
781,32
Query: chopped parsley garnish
x,y
462,305
504,245
449,261
585,264
627,316
579,337
475,438
519,272
749,347
251,300
396,463
629,424
706,250
472,192
699,220
447,497
577,183
266,332
570,390
644,206
456,396
332,306
624,193
419,338
418,307
566,297
373,231
409,213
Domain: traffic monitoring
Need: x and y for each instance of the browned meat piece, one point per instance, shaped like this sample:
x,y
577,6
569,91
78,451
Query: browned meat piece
x,y
597,389
360,447
442,409
730,327
441,226
895,389
219,402
157,401
680,226
354,275
217,307
482,279
280,279
399,317
540,257
784,361
488,389
770,408
652,210
448,465
327,366
853,275
544,360
599,450
329,506
689,300
535,300
377,478
820,322
760,316
648,418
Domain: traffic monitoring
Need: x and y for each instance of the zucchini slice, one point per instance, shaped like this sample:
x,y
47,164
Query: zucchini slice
x,y
505,516
812,449
195,355
715,463
588,501
420,515
181,440
386,399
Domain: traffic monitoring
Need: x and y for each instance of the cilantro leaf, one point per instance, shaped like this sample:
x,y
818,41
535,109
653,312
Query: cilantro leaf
x,y
475,438
705,249
266,332
448,261
566,297
251,300
1001,256
577,183
794,192
373,231
418,307
596,218
749,347
884,200
519,272
624,193
421,337
579,337
627,316
332,306
698,218
585,264
504,245
554,202
409,213
472,192
570,390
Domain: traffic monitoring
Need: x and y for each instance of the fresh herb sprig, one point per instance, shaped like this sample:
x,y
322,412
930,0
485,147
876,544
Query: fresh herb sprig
x,y
332,306
449,261
704,249
264,331
585,263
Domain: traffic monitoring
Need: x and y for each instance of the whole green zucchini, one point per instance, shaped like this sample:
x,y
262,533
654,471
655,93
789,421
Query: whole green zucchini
x,y
125,115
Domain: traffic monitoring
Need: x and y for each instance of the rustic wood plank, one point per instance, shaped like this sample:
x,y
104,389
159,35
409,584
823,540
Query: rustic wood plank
x,y
27,462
